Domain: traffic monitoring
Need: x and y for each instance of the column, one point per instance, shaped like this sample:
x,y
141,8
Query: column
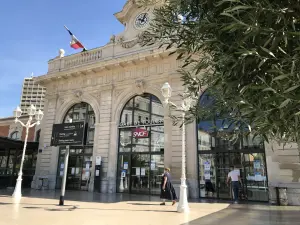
x,y
192,160
113,158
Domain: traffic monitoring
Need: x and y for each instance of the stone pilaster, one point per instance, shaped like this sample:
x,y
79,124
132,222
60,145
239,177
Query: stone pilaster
x,y
192,160
113,158
103,137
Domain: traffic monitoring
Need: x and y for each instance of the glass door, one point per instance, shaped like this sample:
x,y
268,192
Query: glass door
x,y
207,175
223,168
156,171
86,172
226,161
256,177
123,175
140,173
74,172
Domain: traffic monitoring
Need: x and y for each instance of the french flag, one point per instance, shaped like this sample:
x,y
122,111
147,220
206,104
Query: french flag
x,y
75,43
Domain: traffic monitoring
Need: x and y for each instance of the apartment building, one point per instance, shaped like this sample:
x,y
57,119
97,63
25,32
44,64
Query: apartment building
x,y
32,94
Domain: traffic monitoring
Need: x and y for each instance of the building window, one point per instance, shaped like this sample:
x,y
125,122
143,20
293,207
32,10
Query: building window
x,y
15,135
141,145
218,154
81,157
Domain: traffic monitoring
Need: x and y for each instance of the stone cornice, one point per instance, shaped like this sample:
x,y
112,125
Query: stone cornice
x,y
105,65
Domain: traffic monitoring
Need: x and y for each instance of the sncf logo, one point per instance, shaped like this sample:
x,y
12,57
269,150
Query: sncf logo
x,y
140,133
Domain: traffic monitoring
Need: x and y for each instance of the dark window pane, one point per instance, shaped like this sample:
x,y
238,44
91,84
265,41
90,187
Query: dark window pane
x,y
126,117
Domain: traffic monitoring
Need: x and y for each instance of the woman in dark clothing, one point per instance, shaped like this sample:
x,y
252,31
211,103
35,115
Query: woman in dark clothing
x,y
167,189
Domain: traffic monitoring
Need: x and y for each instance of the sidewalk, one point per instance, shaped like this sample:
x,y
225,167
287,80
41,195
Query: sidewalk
x,y
82,208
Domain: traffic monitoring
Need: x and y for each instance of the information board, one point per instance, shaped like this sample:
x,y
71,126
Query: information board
x,y
67,134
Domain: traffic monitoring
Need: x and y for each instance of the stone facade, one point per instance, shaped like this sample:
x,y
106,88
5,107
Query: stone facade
x,y
106,78
283,163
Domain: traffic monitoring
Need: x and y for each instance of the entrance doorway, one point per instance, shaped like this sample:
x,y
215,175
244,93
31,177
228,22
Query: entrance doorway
x,y
79,168
141,146
140,173
214,169
218,154
80,159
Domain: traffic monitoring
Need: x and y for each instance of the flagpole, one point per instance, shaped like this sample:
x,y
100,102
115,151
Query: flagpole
x,y
84,48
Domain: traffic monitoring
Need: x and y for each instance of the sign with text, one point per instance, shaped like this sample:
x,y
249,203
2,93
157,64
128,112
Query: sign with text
x,y
145,123
140,133
68,134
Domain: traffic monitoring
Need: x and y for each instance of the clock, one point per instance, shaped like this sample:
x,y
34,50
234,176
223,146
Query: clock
x,y
142,21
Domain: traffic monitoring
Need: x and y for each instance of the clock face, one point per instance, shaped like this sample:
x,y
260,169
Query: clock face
x,y
142,20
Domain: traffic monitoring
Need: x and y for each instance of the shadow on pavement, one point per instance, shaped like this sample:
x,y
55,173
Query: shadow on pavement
x,y
248,215
63,208
141,204
82,196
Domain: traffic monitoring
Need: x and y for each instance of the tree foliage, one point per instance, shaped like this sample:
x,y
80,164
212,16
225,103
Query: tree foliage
x,y
245,51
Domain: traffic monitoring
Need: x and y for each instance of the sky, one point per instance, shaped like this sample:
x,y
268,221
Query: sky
x,y
32,32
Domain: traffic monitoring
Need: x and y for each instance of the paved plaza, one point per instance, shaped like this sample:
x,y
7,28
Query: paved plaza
x,y
82,208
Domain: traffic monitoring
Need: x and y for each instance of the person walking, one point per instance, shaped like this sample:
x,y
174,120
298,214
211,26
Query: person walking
x,y
235,178
167,189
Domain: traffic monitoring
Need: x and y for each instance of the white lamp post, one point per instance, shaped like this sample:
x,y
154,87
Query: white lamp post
x,y
166,90
31,111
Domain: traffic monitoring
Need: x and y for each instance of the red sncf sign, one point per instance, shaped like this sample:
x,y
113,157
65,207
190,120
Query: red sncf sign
x,y
140,133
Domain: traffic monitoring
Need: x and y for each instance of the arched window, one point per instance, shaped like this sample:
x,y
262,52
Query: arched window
x,y
80,160
141,145
15,135
218,154
216,129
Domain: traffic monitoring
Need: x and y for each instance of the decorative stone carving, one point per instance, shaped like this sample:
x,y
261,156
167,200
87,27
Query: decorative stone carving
x,y
61,53
61,100
112,39
140,86
129,43
120,39
97,95
117,93
78,94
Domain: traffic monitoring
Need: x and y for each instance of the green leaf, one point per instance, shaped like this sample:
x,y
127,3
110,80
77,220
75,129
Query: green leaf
x,y
284,103
179,56
243,89
269,89
297,49
224,1
282,50
262,62
268,51
281,77
269,40
231,16
172,53
291,89
266,138
229,27
240,7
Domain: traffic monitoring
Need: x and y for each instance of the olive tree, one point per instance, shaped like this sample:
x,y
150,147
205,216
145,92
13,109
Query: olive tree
x,y
246,52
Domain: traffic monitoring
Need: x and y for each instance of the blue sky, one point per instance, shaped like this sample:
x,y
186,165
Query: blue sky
x,y
32,32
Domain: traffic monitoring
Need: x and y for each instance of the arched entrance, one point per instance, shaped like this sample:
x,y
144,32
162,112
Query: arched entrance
x,y
217,155
81,157
141,145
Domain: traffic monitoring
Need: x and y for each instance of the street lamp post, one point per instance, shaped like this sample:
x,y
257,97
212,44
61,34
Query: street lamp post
x,y
183,206
31,111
